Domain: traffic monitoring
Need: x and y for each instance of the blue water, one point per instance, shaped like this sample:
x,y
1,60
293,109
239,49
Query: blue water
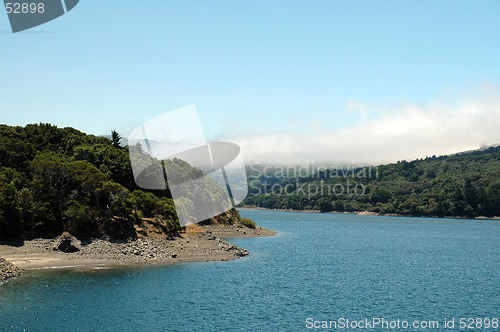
x,y
319,266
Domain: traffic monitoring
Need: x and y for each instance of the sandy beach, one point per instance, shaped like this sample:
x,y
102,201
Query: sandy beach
x,y
195,244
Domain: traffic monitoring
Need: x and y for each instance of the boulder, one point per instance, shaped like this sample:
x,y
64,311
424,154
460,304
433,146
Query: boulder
x,y
67,243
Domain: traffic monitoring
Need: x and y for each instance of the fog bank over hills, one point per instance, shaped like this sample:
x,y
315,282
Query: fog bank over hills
x,y
382,134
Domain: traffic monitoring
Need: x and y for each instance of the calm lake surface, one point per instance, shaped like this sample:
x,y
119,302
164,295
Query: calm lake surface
x,y
319,266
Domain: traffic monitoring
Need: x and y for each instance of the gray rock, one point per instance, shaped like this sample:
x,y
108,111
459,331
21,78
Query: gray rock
x,y
67,243
8,270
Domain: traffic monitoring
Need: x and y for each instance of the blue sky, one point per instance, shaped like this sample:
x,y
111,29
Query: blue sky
x,y
288,80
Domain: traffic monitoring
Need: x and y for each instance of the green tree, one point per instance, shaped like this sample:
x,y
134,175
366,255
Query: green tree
x,y
380,196
10,212
325,204
115,138
145,202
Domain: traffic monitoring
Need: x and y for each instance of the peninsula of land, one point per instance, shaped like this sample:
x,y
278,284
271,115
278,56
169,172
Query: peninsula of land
x,y
68,199
194,244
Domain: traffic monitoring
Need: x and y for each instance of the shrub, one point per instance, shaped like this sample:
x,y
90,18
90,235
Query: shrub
x,y
248,222
145,202
78,219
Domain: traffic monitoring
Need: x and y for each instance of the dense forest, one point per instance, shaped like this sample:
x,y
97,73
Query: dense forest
x,y
60,179
462,185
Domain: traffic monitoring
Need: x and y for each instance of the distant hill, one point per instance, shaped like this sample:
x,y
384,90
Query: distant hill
x,y
466,184
483,150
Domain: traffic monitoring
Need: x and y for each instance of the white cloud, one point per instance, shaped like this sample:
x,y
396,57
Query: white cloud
x,y
408,132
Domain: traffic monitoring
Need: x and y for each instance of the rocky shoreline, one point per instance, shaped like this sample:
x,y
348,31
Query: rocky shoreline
x,y
8,270
195,244
366,213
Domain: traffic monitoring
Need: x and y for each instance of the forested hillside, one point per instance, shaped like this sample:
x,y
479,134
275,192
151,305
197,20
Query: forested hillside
x,y
60,179
462,185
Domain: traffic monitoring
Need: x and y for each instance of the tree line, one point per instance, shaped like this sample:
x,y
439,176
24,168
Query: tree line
x,y
463,185
60,179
